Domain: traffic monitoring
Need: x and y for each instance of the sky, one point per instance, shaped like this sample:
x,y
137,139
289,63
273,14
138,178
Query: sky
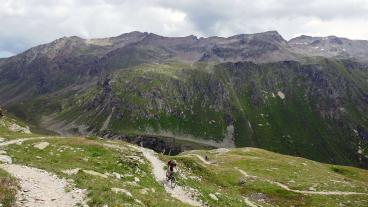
x,y
27,23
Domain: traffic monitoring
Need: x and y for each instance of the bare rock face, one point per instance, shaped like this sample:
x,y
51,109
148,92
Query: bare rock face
x,y
330,46
17,128
12,125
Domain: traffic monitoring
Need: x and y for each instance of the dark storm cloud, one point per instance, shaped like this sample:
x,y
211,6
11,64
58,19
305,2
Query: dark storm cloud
x,y
26,23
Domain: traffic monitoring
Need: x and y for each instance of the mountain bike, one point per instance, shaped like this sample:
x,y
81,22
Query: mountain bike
x,y
171,179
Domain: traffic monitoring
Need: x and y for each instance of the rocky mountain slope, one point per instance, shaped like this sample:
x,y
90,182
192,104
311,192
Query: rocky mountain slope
x,y
330,46
246,90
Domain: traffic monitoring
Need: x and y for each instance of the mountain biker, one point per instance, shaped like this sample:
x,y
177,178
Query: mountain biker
x,y
171,164
206,158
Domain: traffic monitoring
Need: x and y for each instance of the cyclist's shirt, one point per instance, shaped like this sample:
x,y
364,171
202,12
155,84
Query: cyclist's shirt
x,y
171,165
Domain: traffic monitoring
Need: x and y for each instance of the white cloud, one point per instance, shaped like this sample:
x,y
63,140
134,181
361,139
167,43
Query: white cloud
x,y
26,23
4,54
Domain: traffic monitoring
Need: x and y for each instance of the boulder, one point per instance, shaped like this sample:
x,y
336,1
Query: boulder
x,y
5,159
41,145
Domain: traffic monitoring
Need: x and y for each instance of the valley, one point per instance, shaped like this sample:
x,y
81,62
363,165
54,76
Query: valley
x,y
251,119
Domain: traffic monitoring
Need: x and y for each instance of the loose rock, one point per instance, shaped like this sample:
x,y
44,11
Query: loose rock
x,y
5,159
123,191
41,145
91,172
214,197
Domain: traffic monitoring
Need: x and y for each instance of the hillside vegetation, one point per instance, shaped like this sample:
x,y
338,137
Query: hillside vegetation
x,y
114,173
315,110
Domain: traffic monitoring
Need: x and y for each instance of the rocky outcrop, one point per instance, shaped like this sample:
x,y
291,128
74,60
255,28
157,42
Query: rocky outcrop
x,y
330,46
160,144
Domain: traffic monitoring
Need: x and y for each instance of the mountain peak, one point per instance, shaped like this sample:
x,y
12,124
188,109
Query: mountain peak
x,y
274,35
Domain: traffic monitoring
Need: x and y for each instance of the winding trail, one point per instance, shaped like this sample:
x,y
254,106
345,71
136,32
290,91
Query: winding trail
x,y
200,158
184,195
285,187
21,140
203,160
39,188
17,141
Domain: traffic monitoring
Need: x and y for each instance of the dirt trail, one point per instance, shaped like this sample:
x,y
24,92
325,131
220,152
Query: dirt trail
x,y
285,187
201,158
184,195
21,140
16,141
40,188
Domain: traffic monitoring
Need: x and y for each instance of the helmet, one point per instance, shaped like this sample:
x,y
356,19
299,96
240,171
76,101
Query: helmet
x,y
174,162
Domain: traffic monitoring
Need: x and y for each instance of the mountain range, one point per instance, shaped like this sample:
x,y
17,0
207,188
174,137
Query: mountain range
x,y
306,97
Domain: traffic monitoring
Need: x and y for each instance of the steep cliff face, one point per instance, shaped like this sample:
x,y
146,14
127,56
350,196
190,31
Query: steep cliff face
x,y
245,90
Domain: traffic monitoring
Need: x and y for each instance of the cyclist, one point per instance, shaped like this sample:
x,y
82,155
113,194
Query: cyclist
x,y
171,164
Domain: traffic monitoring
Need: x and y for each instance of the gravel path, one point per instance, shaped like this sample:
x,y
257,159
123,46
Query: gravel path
x,y
21,140
184,195
39,188
202,159
42,189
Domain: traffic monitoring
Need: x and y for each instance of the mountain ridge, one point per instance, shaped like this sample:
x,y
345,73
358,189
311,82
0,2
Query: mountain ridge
x,y
136,35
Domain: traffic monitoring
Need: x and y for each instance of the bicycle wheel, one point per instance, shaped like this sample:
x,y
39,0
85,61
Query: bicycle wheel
x,y
173,182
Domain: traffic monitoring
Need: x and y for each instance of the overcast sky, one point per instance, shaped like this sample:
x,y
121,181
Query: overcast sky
x,y
26,23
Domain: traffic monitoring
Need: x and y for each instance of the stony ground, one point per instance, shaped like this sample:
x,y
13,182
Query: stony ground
x,y
40,188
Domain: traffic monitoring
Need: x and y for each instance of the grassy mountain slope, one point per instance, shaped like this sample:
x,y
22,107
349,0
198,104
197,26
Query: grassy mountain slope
x,y
315,109
254,174
236,177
